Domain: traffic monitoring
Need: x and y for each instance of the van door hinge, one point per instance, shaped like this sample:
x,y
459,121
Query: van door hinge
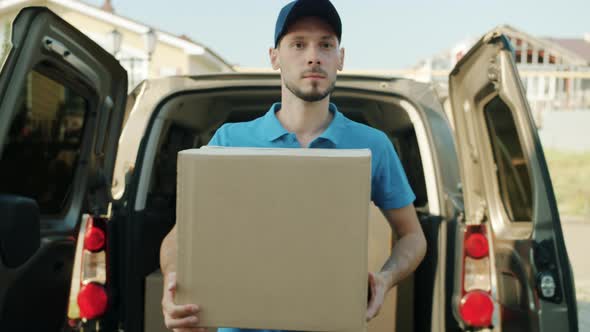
x,y
480,215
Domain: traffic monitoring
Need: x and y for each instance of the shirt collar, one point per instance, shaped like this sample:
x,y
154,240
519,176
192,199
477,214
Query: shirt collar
x,y
272,126
275,130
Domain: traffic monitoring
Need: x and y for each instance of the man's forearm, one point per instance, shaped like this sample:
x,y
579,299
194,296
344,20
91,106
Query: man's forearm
x,y
168,253
406,255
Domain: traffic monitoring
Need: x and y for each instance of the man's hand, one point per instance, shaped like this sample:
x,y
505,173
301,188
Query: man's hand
x,y
179,318
378,289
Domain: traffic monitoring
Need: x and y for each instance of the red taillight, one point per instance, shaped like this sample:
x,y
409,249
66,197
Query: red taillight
x,y
88,296
476,309
476,245
92,301
94,238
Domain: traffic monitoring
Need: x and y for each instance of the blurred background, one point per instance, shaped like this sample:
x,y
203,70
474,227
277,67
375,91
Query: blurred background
x,y
421,40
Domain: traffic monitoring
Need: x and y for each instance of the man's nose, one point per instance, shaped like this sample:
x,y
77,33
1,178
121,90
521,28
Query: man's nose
x,y
313,56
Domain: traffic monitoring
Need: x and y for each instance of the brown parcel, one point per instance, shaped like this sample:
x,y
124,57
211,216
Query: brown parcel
x,y
380,241
274,238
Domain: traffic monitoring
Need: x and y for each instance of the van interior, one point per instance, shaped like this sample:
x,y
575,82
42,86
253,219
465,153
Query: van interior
x,y
190,119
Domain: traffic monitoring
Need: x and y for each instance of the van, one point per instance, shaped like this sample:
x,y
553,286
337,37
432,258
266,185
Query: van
x,y
88,185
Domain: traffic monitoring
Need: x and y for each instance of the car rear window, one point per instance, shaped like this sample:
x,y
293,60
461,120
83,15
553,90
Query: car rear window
x,y
41,152
512,170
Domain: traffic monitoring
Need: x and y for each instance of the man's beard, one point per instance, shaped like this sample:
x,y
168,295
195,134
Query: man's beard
x,y
314,95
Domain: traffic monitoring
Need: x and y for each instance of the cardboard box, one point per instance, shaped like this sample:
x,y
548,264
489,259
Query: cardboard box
x,y
274,238
380,244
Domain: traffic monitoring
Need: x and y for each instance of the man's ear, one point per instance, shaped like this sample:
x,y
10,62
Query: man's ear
x,y
341,59
274,58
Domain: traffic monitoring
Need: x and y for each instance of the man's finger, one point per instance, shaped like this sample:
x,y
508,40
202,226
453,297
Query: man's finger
x,y
371,288
186,322
181,311
193,329
171,280
370,310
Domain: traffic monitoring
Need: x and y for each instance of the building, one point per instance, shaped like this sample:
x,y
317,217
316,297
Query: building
x,y
555,72
144,51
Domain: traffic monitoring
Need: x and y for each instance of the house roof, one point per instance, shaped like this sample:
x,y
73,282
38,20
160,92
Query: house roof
x,y
577,45
570,55
186,44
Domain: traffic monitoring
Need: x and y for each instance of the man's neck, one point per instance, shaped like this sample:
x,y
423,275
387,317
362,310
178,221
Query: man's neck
x,y
307,120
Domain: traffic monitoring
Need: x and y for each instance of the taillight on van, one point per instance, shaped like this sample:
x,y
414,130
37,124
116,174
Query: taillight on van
x,y
88,296
94,239
476,306
92,300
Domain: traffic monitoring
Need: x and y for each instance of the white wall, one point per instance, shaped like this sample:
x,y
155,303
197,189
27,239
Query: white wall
x,y
565,130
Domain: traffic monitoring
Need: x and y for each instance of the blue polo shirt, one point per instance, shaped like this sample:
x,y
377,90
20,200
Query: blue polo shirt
x,y
389,185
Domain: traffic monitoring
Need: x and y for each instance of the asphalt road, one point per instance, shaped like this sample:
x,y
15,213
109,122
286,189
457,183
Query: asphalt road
x,y
577,241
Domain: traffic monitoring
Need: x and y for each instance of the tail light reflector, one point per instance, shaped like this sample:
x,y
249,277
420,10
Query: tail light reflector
x,y
477,308
92,300
94,239
476,245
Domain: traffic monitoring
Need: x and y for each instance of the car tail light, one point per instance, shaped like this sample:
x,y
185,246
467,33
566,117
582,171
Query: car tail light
x,y
94,238
88,295
476,245
476,306
92,300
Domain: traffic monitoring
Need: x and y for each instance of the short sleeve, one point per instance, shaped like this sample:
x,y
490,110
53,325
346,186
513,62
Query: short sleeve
x,y
219,138
390,188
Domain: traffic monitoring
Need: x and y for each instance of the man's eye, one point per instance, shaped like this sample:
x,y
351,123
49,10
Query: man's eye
x,y
327,45
298,45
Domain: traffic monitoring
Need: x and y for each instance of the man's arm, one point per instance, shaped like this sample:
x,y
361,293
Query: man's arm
x,y
407,253
168,253
410,248
183,317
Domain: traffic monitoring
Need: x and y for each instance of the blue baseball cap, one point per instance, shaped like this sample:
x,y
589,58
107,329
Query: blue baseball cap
x,y
303,8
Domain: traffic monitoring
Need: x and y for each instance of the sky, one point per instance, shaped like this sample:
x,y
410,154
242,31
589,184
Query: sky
x,y
376,34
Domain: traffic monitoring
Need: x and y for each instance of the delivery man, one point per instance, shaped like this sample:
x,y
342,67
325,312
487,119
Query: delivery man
x,y
308,54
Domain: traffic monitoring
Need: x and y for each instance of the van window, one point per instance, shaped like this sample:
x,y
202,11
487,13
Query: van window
x,y
41,152
512,166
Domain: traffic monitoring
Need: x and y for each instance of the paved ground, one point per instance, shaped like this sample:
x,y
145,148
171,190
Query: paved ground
x,y
577,240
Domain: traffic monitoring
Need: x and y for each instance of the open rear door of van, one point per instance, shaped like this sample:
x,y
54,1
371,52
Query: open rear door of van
x,y
62,99
509,199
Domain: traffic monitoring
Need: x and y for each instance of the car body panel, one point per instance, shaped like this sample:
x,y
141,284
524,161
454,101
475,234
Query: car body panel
x,y
506,186
48,52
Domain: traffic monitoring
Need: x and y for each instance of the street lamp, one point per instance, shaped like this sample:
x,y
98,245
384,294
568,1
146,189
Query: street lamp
x,y
149,39
116,39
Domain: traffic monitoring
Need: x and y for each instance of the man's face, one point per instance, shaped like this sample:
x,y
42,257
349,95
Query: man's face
x,y
309,57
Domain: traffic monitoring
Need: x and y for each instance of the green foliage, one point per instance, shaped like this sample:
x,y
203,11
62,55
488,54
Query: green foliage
x,y
570,174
